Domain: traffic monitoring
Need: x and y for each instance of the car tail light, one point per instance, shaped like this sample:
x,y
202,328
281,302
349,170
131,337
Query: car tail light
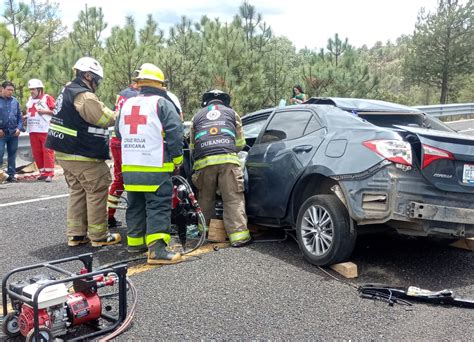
x,y
396,151
430,154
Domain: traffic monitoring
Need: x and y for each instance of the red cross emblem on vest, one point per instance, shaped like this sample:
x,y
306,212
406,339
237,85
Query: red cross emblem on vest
x,y
32,110
135,119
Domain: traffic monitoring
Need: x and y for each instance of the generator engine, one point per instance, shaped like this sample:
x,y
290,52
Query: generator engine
x,y
59,307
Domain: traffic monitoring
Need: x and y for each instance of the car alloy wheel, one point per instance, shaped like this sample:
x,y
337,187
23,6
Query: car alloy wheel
x,y
317,230
324,230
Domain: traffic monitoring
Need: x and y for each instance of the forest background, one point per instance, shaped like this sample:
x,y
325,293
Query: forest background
x,y
433,65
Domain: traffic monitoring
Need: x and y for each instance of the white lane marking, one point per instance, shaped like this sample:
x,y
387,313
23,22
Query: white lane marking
x,y
33,200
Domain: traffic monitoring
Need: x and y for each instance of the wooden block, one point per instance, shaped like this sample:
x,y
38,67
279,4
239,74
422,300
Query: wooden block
x,y
467,243
346,269
217,231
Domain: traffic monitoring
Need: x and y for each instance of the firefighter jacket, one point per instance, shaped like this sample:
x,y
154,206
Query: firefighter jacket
x,y
216,136
78,130
152,141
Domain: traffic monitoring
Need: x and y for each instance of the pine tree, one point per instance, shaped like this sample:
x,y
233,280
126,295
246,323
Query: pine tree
x,y
442,47
87,31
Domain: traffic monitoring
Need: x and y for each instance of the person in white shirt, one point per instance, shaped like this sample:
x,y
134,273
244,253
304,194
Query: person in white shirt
x,y
39,110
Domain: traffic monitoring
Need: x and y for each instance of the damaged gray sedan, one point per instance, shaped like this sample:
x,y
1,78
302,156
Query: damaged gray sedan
x,y
334,167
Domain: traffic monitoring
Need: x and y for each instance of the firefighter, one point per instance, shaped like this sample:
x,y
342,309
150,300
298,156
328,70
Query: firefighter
x,y
79,135
116,188
216,136
39,110
152,148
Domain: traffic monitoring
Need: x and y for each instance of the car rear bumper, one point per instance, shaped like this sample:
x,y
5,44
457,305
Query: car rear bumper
x,y
407,202
441,213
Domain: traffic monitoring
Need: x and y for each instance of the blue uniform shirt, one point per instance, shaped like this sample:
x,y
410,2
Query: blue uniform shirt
x,y
10,115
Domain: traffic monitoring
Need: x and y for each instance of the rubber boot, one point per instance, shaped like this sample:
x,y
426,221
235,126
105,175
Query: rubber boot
x,y
242,243
109,239
158,254
112,222
137,249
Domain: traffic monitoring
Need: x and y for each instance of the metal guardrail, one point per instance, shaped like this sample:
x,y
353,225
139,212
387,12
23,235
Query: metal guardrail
x,y
23,154
448,109
24,150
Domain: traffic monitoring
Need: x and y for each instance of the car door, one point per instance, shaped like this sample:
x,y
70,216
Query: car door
x,y
277,159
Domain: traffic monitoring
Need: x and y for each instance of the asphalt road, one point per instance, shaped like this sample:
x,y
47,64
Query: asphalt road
x,y
265,291
463,126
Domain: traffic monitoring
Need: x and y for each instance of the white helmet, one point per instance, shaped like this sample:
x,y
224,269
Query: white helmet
x,y
89,64
35,83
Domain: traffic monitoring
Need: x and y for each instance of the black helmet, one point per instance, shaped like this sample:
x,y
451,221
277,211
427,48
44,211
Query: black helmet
x,y
215,94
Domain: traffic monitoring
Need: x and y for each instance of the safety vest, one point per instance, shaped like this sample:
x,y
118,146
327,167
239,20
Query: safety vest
x,y
70,133
37,123
144,155
215,131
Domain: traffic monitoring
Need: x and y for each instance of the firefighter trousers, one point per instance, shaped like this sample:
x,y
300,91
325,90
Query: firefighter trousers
x,y
148,215
229,180
88,183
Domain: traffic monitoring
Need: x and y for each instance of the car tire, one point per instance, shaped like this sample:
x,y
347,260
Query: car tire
x,y
330,242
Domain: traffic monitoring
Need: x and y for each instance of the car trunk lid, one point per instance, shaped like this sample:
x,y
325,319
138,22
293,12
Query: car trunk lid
x,y
446,158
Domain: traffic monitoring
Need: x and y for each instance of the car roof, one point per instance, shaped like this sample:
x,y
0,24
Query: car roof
x,y
256,116
362,105
266,110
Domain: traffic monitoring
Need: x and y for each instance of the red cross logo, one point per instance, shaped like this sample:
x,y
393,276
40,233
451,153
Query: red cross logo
x,y
32,110
135,119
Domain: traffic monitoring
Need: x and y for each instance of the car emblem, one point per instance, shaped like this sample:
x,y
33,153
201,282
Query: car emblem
x,y
442,175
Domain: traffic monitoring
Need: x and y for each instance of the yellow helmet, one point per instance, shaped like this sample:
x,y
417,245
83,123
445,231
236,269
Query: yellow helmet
x,y
150,72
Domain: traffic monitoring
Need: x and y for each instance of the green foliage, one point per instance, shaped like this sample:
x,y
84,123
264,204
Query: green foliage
x,y
12,56
125,50
242,57
442,47
338,71
87,31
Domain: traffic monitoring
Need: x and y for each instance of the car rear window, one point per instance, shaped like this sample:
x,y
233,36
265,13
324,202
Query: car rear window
x,y
412,120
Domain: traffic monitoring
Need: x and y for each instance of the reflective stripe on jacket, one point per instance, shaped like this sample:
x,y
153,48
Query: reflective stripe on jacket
x,y
70,134
148,157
